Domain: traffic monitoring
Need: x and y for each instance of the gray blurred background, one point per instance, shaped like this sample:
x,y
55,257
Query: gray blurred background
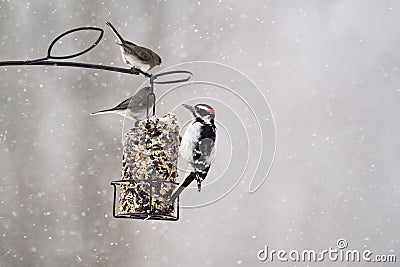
x,y
329,70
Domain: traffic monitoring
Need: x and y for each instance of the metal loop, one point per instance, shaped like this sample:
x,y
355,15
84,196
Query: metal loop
x,y
49,56
153,81
155,76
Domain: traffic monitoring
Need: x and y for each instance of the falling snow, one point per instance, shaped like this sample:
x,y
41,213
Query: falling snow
x,y
331,76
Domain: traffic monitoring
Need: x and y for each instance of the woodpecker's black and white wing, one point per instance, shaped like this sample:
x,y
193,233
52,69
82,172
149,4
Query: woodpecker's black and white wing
x,y
204,153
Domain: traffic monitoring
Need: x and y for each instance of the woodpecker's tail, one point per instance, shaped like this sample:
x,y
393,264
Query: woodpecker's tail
x,y
116,32
199,176
182,186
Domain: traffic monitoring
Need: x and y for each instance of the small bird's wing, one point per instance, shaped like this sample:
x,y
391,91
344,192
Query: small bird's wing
x,y
121,106
139,100
136,102
143,53
124,104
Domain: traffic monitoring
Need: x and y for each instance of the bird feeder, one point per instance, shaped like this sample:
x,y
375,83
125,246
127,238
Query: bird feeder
x,y
149,166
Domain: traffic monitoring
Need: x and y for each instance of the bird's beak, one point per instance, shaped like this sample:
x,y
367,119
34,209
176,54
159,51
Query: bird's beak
x,y
189,107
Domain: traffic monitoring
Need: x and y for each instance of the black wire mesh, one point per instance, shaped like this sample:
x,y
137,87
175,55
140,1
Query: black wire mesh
x,y
151,193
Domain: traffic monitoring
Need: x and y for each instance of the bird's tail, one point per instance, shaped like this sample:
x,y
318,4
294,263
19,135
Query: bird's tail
x,y
116,32
182,186
102,112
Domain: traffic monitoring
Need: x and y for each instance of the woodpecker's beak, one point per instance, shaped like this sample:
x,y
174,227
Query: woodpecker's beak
x,y
189,107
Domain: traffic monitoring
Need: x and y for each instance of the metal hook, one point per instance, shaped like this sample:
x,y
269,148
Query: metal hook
x,y
155,76
148,103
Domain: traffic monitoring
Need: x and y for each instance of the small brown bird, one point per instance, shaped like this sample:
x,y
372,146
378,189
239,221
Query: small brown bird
x,y
137,57
133,108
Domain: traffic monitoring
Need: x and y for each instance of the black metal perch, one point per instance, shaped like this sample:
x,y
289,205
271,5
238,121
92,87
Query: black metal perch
x,y
151,208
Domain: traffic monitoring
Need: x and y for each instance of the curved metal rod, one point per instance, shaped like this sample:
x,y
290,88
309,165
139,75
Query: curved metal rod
x,y
155,76
79,53
46,62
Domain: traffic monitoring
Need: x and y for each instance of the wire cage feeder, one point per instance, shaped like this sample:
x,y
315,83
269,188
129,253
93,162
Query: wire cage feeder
x,y
149,165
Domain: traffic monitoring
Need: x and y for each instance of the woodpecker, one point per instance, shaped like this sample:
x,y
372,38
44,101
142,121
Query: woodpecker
x,y
198,145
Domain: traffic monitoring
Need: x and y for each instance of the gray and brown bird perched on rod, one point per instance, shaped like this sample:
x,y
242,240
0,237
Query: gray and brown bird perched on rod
x,y
198,146
137,57
133,108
